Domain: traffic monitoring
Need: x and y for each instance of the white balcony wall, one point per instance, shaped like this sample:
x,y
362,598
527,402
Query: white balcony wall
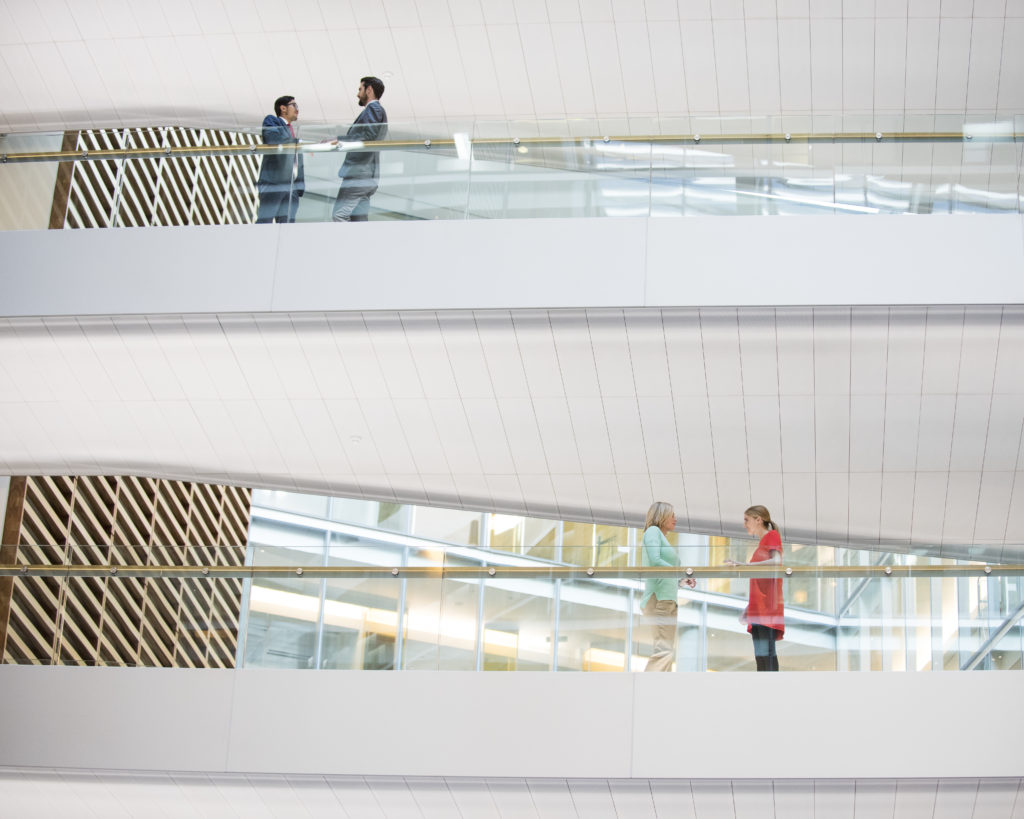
x,y
828,725
508,264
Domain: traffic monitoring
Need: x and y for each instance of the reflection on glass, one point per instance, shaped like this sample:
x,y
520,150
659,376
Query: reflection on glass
x,y
593,620
518,625
578,540
448,525
421,627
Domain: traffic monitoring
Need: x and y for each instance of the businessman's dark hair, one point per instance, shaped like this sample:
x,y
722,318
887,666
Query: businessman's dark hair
x,y
282,102
376,84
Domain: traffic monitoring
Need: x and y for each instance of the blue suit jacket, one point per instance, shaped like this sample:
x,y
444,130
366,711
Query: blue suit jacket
x,y
276,169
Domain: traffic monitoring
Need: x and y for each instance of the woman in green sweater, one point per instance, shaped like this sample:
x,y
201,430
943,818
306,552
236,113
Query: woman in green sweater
x,y
659,601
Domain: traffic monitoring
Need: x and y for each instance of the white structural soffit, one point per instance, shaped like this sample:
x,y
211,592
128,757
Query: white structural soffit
x,y
887,427
106,63
42,793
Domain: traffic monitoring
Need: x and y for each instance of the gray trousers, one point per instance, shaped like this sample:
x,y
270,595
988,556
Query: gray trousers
x,y
353,201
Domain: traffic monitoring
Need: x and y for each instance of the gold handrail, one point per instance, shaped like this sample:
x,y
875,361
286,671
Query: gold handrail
x,y
427,144
519,572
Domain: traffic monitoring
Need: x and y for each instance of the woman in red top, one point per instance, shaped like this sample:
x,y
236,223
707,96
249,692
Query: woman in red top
x,y
763,615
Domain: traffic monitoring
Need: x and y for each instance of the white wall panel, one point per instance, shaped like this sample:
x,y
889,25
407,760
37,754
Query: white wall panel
x,y
573,67
575,353
666,56
763,433
693,422
980,348
832,439
832,351
1011,94
591,430
922,56
731,50
961,510
986,51
954,57
865,506
1005,424
699,65
625,434
728,431
612,359
943,341
970,432
657,423
897,507
520,424
935,432
796,414
800,503
647,354
890,50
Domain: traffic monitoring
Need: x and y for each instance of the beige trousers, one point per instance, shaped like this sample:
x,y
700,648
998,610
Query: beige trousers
x,y
661,617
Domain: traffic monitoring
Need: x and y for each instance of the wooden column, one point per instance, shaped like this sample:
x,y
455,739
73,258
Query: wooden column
x,y
59,209
9,550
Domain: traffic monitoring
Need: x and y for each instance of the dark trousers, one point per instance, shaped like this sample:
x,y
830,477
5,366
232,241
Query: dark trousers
x,y
277,206
764,647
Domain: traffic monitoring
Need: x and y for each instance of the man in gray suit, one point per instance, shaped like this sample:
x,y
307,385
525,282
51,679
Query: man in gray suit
x,y
361,169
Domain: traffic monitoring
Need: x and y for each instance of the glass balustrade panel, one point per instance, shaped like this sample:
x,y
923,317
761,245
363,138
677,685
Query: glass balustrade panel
x,y
520,169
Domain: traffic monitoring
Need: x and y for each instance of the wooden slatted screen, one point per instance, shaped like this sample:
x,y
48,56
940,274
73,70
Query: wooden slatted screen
x,y
160,190
119,620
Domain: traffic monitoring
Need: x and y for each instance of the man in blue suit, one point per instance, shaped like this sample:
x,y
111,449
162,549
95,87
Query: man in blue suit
x,y
281,181
361,169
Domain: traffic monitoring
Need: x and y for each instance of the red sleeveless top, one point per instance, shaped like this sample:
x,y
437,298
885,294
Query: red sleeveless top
x,y
765,606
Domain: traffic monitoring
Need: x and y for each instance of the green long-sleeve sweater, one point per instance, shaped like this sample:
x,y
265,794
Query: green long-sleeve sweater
x,y
658,552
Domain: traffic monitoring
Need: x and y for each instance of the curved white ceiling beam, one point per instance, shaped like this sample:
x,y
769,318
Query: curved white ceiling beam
x,y
213,64
885,427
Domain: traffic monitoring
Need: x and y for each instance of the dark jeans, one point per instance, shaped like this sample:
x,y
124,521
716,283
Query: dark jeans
x,y
277,206
764,647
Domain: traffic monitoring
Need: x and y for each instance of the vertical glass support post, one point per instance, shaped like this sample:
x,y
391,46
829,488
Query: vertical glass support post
x,y
909,631
556,599
556,596
243,617
318,651
400,623
935,616
888,633
702,637
630,561
469,180
485,543
841,662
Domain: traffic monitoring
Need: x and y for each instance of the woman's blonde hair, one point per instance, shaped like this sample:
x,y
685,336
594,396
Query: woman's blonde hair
x,y
658,514
764,514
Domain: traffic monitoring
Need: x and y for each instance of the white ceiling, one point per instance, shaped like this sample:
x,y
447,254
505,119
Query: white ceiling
x,y
886,427
42,792
65,63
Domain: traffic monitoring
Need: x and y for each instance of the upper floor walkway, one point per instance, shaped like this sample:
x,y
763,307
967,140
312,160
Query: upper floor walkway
x,y
524,169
